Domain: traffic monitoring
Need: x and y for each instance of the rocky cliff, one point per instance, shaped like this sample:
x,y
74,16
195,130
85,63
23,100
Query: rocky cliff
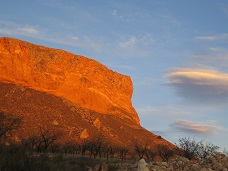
x,y
83,81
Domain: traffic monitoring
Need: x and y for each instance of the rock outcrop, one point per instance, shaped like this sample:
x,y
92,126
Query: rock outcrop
x,y
218,162
78,79
77,98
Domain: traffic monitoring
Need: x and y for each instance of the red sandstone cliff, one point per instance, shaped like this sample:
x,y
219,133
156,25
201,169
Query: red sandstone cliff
x,y
81,80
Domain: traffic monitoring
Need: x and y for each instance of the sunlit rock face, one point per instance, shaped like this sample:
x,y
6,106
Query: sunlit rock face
x,y
78,79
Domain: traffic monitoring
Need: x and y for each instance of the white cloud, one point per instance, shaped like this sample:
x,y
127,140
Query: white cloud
x,y
147,39
85,42
14,29
214,37
208,127
28,30
114,12
131,42
199,85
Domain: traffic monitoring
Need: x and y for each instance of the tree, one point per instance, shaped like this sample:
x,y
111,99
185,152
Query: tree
x,y
150,154
8,123
189,147
71,147
195,149
206,150
123,152
84,146
109,151
98,144
94,147
140,150
164,152
45,138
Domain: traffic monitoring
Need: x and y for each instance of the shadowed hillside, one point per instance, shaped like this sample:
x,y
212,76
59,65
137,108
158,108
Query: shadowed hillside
x,y
39,109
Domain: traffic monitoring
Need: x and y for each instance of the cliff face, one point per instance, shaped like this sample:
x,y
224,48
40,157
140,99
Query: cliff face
x,y
78,79
70,122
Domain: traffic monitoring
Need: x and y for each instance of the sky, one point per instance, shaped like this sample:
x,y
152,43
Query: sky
x,y
175,51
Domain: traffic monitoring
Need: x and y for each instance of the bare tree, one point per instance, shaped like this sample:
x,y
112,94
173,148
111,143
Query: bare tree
x,y
47,137
195,149
94,147
109,151
189,147
140,150
150,154
71,148
123,152
206,150
42,141
84,146
91,148
8,123
55,147
32,142
164,152
98,144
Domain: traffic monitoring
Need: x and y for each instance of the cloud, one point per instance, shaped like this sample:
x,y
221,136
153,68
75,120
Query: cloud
x,y
85,42
199,85
214,37
129,43
147,39
213,56
14,29
116,14
208,127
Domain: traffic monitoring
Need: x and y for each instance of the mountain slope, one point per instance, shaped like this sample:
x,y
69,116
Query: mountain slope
x,y
77,96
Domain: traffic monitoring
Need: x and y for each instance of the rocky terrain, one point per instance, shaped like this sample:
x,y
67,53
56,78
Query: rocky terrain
x,y
218,162
77,97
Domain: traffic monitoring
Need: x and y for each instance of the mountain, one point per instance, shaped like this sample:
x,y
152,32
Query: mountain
x,y
79,96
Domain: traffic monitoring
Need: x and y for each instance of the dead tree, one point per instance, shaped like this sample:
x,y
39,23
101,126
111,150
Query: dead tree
x,y
140,150
123,152
108,151
71,148
98,144
8,123
42,141
164,152
150,154
84,146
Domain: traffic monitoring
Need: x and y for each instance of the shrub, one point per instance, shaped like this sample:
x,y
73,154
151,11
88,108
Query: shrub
x,y
195,149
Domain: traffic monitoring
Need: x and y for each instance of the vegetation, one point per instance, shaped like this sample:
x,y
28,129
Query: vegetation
x,y
43,152
8,123
190,148
165,153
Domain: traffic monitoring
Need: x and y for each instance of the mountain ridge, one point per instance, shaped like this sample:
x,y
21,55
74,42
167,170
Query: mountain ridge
x,y
79,79
77,95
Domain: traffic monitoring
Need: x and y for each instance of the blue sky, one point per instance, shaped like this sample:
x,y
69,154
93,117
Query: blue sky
x,y
175,51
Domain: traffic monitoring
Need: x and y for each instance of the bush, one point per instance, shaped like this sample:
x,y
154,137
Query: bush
x,y
190,148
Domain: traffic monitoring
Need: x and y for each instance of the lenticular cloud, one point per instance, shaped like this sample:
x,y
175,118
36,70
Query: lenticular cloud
x,y
199,84
208,127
